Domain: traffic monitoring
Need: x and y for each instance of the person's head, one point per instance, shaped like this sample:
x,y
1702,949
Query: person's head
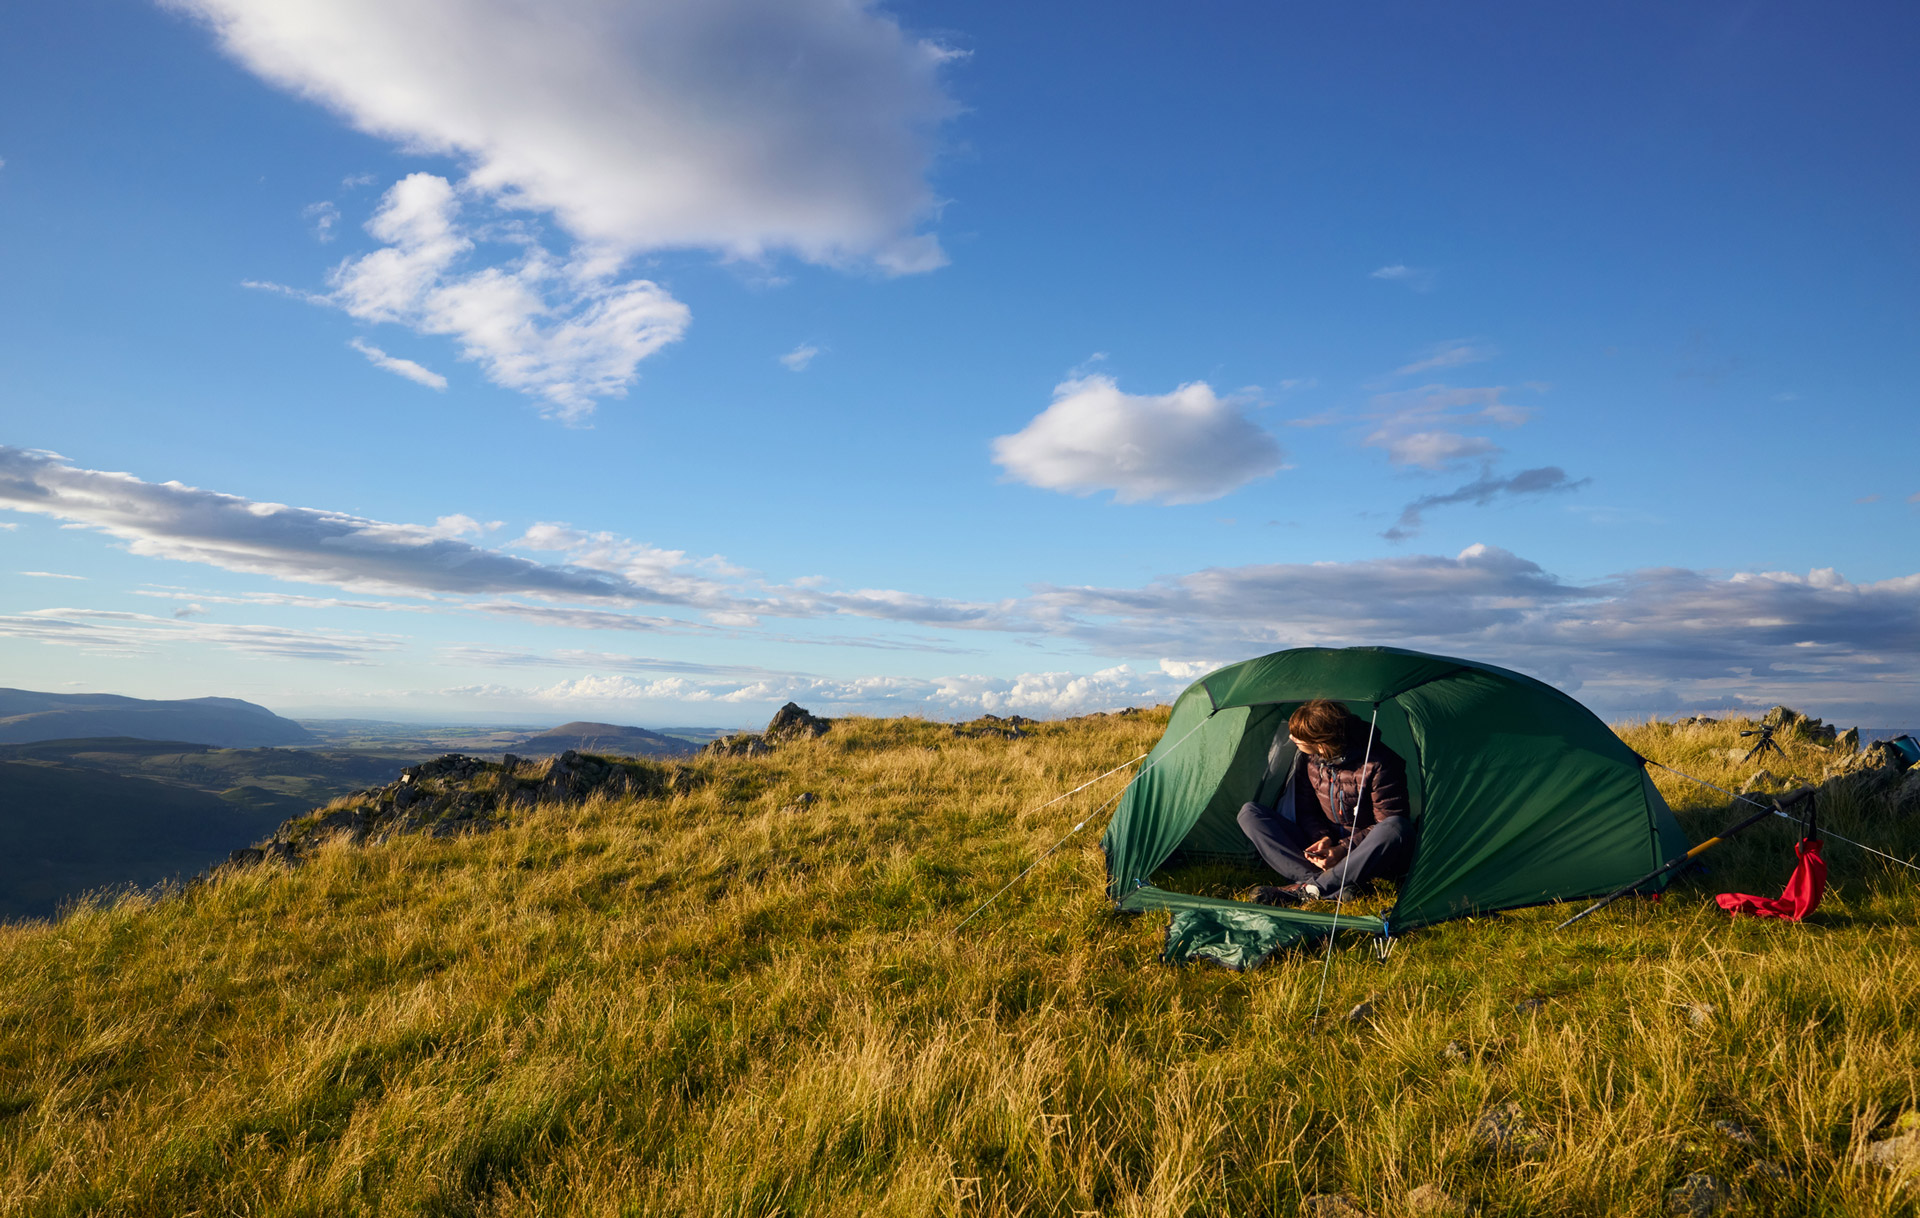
x,y
1320,728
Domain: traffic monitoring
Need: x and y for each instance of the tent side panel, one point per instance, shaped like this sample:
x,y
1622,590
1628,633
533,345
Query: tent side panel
x,y
1529,798
1173,788
1215,833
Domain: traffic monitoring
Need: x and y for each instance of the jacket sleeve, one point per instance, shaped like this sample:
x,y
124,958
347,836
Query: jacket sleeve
x,y
1388,788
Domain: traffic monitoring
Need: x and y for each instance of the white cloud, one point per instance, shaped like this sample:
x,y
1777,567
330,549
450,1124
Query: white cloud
x,y
1449,354
567,333
746,126
797,359
399,367
1188,446
51,575
1420,279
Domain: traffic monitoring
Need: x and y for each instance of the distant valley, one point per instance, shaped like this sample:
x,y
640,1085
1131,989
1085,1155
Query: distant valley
x,y
99,791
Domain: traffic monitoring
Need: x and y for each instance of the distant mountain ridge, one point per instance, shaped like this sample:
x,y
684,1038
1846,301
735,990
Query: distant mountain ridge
x,y
27,716
585,737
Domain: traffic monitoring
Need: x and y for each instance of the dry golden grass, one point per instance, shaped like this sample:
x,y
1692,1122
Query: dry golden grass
x,y
703,1004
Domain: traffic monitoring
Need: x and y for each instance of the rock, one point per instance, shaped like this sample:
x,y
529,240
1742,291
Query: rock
x,y
509,763
1527,1006
1761,779
1700,1195
1766,1171
1505,1127
1456,1053
1699,721
792,722
740,744
1701,1014
1848,741
1899,1155
1432,1201
1362,1013
1733,1131
1331,1205
801,802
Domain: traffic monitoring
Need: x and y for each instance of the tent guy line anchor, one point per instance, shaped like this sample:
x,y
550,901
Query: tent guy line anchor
x,y
1083,824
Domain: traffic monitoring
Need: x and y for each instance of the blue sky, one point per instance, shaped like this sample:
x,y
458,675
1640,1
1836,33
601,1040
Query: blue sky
x,y
660,362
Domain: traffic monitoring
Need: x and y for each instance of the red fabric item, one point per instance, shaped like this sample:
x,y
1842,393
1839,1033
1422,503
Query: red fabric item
x,y
1802,896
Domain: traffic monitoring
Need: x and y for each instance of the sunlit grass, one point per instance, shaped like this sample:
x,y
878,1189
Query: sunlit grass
x,y
704,1004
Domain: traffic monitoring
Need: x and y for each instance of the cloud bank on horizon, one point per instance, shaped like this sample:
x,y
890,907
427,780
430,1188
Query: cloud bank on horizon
x,y
1654,637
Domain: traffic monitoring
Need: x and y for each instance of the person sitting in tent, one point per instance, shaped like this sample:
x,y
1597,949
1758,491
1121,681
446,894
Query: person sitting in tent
x,y
1340,820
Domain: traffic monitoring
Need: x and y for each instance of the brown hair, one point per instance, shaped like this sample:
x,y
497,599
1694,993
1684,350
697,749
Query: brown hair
x,y
1320,722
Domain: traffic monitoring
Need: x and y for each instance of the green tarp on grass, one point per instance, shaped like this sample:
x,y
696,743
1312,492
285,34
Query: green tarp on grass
x,y
1520,795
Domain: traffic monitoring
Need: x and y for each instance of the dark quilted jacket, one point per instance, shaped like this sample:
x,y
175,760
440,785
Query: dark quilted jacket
x,y
1349,795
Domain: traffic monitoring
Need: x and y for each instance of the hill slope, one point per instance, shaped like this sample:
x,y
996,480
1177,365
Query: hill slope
x,y
724,999
69,830
77,815
603,738
26,715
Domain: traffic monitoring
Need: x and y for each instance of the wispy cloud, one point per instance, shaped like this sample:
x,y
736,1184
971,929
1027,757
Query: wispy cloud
x,y
325,219
797,359
1188,446
399,367
116,633
1449,354
51,575
306,545
1426,427
1483,490
1420,279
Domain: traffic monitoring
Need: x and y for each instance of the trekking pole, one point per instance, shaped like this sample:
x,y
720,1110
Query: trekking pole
x,y
1778,807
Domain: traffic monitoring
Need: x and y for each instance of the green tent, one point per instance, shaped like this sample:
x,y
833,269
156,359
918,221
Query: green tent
x,y
1520,795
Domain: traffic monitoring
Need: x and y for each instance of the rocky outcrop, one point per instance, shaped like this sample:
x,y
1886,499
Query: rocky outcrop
x,y
790,722
458,794
991,726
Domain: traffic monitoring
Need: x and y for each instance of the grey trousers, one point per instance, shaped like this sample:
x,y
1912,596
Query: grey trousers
x,y
1384,852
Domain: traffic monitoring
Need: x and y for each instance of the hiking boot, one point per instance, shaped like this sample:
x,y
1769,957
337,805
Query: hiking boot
x,y
1268,894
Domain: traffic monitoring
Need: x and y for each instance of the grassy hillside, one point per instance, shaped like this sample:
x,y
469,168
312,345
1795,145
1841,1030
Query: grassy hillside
x,y
726,1000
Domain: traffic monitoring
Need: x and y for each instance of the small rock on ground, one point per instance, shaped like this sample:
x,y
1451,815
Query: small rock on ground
x,y
1331,1205
1734,1131
1457,1053
1700,1195
1899,1155
1432,1201
1505,1127
1362,1013
1701,1014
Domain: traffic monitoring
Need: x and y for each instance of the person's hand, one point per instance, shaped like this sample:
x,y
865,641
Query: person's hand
x,y
1320,854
